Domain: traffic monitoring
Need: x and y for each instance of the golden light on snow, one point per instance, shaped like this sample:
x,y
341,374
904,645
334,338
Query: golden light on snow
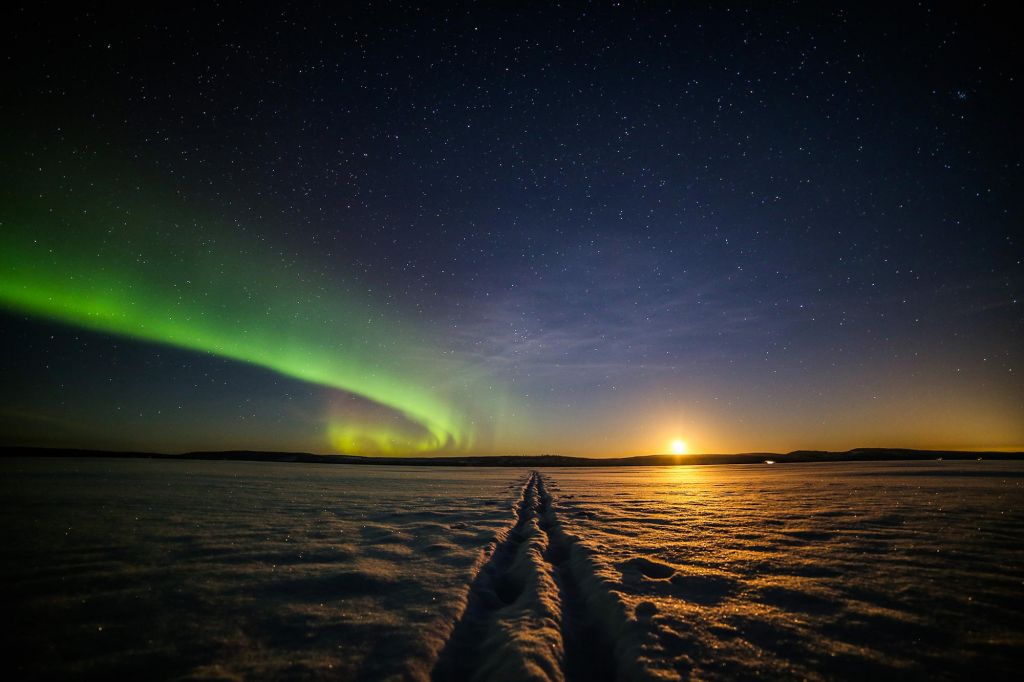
x,y
678,447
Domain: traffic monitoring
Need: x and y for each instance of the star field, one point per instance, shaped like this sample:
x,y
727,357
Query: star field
x,y
584,228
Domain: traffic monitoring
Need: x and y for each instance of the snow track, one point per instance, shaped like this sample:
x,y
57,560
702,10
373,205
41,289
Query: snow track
x,y
541,607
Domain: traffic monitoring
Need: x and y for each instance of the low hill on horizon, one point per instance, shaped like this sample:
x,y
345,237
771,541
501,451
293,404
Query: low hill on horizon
x,y
796,456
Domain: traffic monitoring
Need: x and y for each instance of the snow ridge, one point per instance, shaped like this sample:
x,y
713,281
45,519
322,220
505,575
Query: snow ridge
x,y
605,640
541,608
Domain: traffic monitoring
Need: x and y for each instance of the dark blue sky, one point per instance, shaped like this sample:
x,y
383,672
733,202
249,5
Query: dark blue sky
x,y
750,228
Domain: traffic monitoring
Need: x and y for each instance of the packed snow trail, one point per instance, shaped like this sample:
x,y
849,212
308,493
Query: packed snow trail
x,y
541,608
587,651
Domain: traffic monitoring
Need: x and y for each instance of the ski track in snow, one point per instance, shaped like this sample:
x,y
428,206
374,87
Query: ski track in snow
x,y
827,572
150,569
271,571
540,609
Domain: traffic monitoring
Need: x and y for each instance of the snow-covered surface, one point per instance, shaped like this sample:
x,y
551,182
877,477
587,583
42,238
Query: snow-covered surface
x,y
227,570
148,569
814,571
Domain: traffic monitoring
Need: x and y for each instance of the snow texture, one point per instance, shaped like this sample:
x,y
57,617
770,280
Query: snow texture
x,y
226,570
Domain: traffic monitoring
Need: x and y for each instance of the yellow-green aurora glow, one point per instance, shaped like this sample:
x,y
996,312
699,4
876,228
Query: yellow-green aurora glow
x,y
150,270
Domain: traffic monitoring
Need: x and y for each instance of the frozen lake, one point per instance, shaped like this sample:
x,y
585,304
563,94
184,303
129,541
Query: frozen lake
x,y
226,570
811,571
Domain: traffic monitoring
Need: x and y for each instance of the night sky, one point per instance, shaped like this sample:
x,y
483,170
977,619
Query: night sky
x,y
580,229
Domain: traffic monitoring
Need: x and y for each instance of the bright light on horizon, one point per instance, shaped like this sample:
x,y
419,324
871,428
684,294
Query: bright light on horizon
x,y
678,447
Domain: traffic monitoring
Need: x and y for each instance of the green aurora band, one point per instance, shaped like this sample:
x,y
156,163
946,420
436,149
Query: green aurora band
x,y
147,269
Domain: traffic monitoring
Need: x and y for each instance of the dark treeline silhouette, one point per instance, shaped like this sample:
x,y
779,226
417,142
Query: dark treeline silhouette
x,y
855,455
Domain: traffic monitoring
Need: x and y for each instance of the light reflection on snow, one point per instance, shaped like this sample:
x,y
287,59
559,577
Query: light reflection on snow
x,y
811,570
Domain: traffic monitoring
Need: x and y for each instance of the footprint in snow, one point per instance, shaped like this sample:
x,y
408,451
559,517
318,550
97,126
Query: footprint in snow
x,y
650,569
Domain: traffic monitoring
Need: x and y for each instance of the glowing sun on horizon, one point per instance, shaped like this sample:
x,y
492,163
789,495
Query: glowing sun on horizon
x,y
678,447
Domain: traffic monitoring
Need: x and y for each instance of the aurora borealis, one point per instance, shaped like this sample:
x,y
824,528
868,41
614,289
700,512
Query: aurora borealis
x,y
388,230
154,272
